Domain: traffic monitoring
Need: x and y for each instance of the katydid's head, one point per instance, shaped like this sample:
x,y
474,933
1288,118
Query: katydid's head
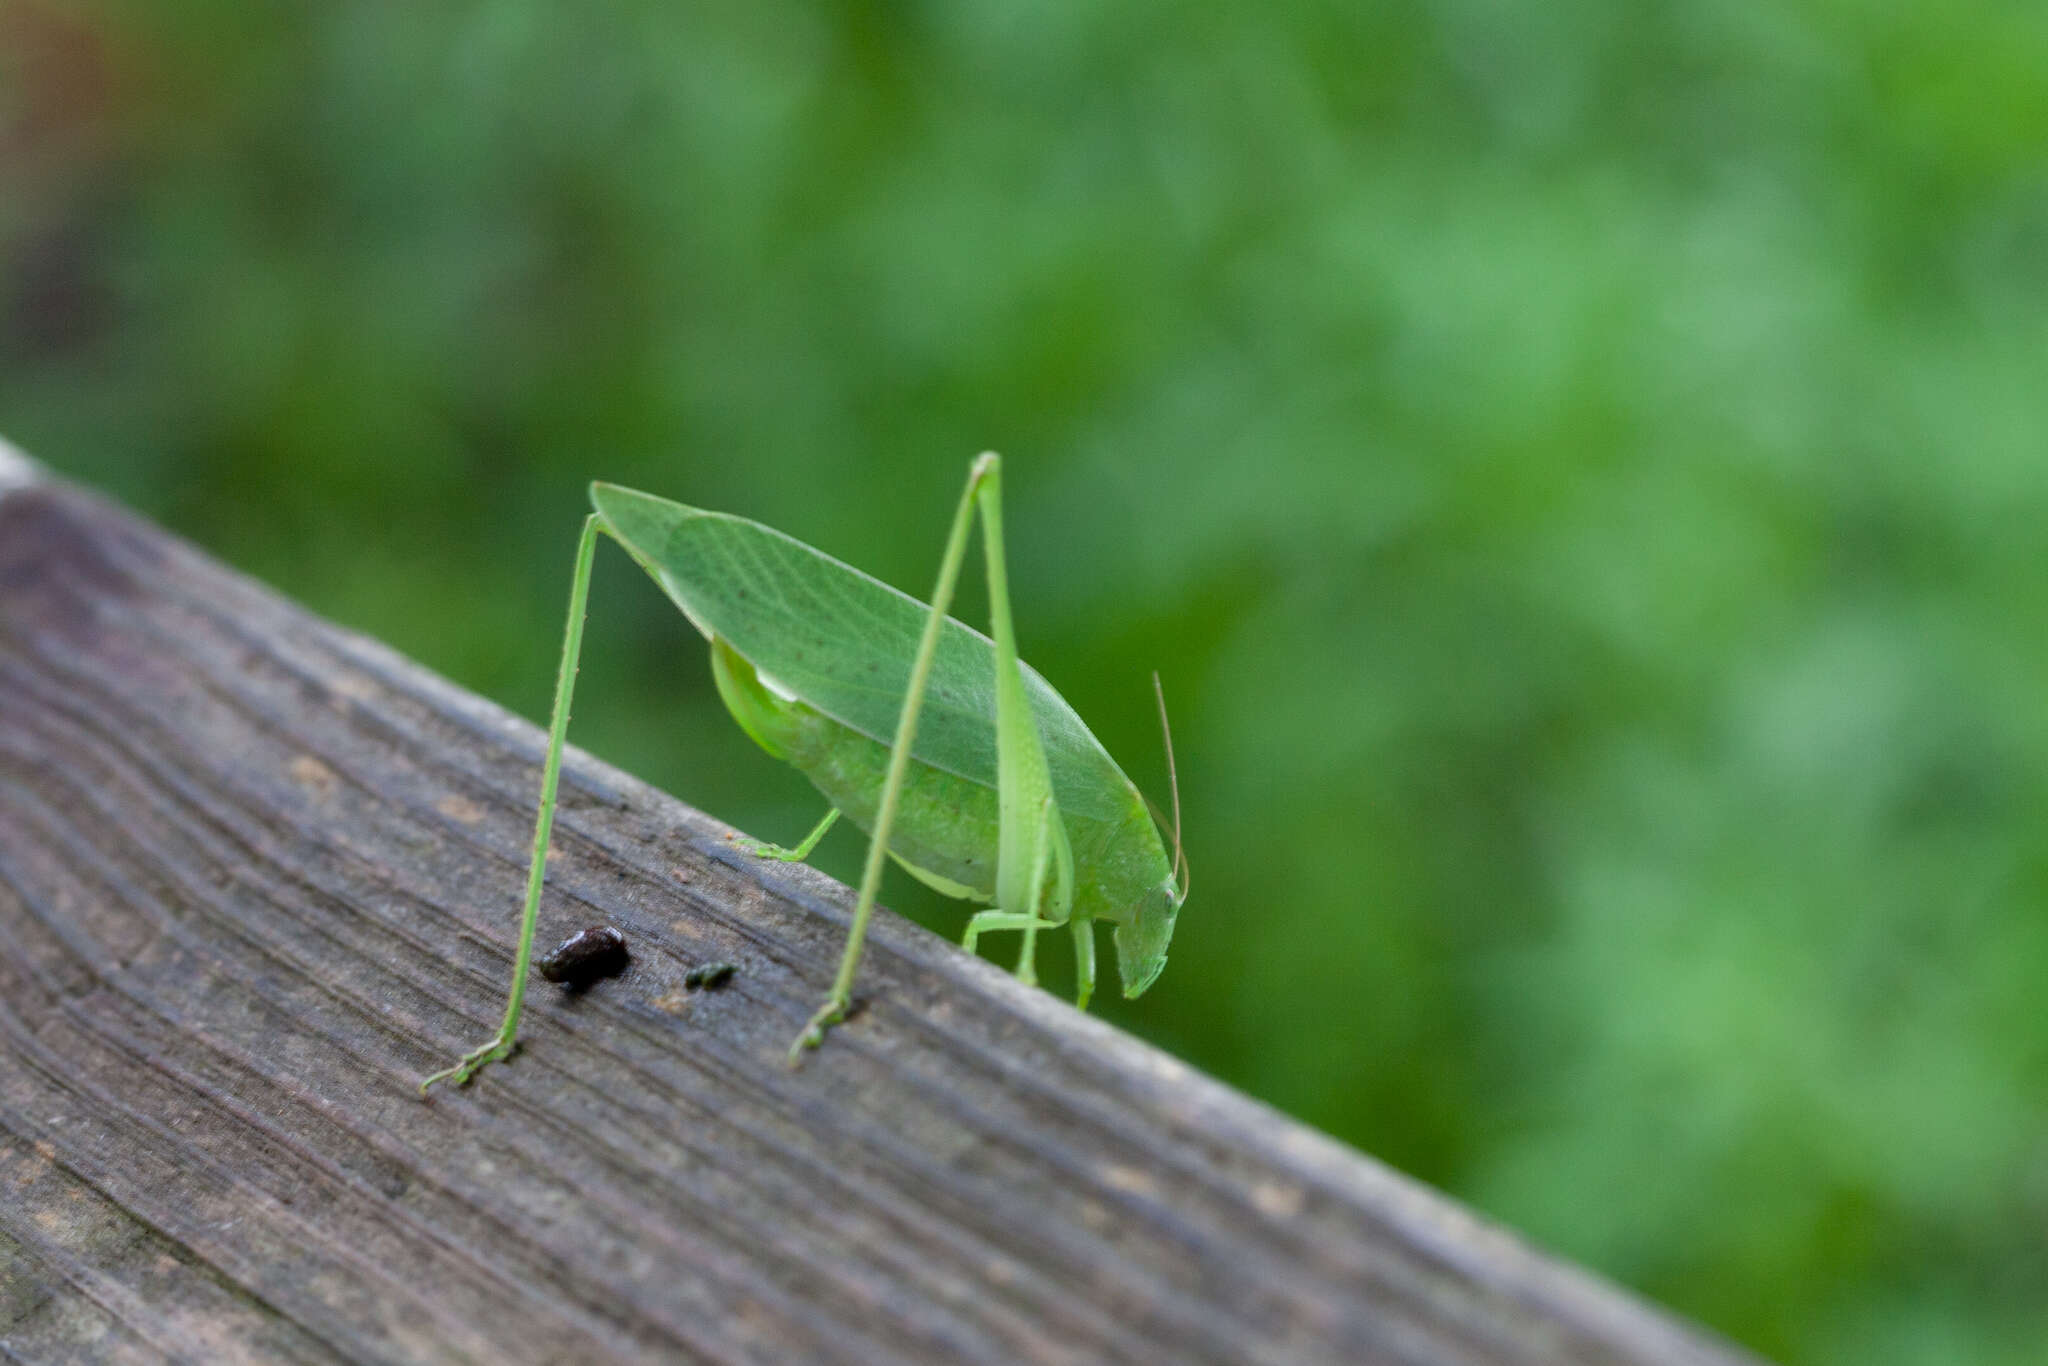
x,y
1142,936
1141,940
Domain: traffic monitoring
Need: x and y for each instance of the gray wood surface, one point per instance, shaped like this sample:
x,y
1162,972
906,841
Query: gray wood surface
x,y
257,874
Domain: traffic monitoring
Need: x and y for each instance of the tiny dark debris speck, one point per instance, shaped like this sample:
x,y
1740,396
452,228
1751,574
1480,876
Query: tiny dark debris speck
x,y
585,957
710,976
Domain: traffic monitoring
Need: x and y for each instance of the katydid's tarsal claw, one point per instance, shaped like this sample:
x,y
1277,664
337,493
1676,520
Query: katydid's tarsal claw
x,y
831,1013
471,1063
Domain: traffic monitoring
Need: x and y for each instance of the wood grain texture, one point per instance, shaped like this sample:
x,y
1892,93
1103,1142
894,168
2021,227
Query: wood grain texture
x,y
257,874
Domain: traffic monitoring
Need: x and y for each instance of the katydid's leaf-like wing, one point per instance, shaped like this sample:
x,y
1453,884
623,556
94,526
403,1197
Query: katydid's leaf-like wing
x,y
842,641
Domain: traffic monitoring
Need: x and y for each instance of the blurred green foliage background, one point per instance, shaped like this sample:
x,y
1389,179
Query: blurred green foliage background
x,y
1579,469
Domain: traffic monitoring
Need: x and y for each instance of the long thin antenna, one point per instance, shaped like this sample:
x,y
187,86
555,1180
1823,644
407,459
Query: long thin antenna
x,y
1173,781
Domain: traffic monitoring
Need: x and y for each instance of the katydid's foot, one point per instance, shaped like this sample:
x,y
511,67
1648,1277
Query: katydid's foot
x,y
474,1061
763,849
829,1014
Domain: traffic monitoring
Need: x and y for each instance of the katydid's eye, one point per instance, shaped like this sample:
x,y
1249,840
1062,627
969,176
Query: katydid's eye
x,y
586,957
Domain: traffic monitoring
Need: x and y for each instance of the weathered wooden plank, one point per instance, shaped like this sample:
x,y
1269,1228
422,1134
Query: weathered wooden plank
x,y
258,874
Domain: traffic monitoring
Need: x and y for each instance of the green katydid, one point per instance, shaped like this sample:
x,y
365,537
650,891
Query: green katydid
x,y
960,761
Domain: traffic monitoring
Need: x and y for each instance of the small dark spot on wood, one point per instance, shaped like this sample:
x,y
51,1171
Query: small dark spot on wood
x,y
586,957
710,977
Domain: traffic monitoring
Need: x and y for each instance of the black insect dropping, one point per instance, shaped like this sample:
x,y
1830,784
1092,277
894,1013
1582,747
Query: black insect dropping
x,y
585,957
710,977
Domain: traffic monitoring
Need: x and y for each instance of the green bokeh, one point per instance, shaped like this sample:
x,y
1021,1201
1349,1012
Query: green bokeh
x,y
1581,470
